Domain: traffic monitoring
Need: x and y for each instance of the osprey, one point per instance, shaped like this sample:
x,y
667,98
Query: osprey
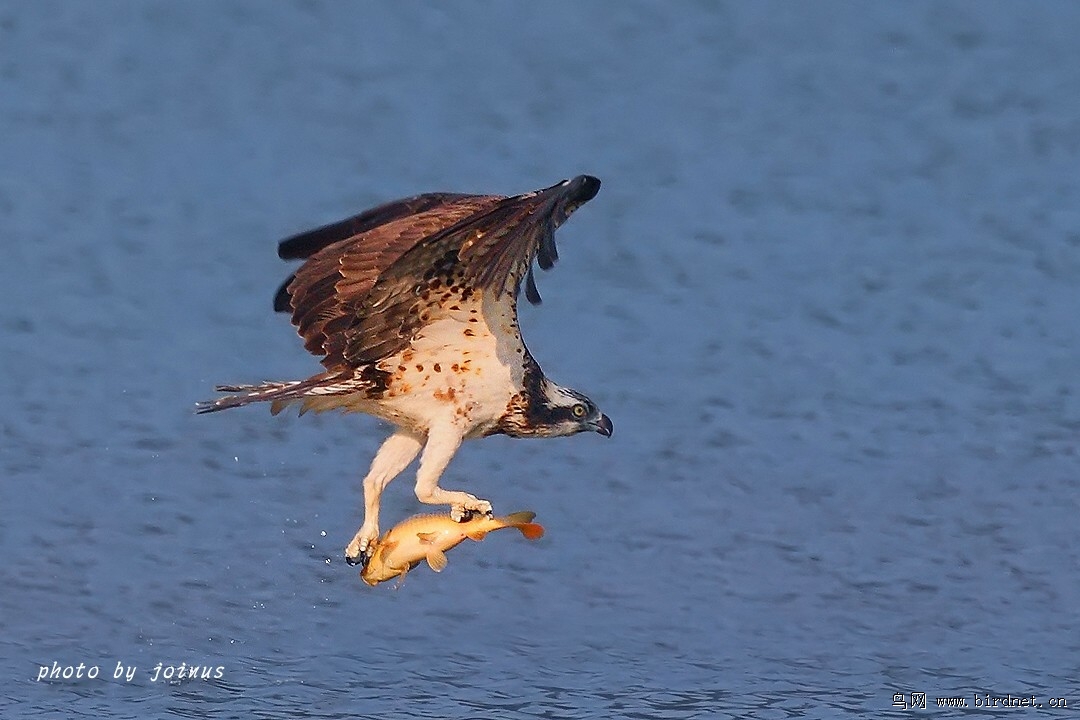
x,y
412,307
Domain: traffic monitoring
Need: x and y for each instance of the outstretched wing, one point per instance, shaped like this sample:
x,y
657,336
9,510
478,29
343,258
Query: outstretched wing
x,y
328,290
503,245
306,244
491,250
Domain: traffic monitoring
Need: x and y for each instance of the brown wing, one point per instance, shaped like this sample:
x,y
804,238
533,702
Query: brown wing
x,y
308,243
524,230
328,291
491,249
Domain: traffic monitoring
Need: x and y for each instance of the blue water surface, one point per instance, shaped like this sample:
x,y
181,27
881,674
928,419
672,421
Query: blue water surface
x,y
828,294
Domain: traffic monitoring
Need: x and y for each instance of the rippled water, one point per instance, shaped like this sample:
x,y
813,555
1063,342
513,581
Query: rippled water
x,y
828,294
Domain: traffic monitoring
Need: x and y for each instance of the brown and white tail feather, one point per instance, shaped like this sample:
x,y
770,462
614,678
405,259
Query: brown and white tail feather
x,y
245,394
282,394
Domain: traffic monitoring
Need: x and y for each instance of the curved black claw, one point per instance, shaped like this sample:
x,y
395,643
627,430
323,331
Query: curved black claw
x,y
468,515
362,559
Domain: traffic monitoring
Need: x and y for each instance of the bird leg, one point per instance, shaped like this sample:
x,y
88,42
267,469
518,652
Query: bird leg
x,y
393,456
441,445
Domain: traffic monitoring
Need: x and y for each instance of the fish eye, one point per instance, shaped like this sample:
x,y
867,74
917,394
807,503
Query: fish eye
x,y
578,410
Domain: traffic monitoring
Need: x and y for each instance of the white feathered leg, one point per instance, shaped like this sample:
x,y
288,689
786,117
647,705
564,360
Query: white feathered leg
x,y
443,441
393,456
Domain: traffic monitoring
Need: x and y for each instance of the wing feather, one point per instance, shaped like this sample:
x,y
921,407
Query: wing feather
x,y
493,250
328,290
305,244
520,230
360,296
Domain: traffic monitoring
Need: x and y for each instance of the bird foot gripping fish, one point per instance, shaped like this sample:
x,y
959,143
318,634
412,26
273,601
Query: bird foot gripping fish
x,y
428,537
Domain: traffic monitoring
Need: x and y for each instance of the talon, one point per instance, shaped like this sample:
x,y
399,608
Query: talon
x,y
361,559
359,551
465,513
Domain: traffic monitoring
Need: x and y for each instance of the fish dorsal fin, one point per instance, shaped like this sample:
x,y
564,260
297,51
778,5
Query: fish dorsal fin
x,y
426,538
436,558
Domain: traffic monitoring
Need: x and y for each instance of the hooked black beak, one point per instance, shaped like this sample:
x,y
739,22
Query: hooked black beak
x,y
603,426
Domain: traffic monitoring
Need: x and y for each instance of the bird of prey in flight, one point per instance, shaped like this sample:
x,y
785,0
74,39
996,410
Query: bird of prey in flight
x,y
412,307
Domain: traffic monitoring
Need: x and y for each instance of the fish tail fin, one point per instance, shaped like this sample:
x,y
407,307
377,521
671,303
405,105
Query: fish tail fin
x,y
523,521
532,531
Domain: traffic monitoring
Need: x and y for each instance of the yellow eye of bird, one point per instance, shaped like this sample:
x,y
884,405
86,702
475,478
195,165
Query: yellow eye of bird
x,y
578,411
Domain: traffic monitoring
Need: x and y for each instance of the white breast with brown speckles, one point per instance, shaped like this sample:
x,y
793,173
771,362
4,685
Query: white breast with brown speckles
x,y
462,368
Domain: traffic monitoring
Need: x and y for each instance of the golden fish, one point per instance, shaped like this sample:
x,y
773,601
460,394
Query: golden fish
x,y
428,537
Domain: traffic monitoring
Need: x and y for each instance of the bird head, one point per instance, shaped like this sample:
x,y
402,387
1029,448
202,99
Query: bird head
x,y
561,411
